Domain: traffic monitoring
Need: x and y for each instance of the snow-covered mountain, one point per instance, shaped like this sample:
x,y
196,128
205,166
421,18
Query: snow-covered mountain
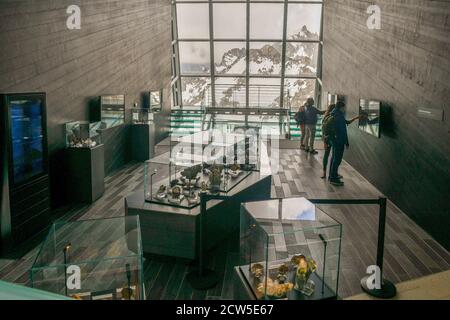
x,y
264,59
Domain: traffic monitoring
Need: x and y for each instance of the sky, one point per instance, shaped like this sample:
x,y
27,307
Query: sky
x,y
266,22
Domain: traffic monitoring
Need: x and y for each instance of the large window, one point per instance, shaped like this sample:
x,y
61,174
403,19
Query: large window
x,y
255,53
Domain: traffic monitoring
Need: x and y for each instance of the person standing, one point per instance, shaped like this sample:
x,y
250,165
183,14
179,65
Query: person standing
x,y
311,118
326,133
300,120
339,140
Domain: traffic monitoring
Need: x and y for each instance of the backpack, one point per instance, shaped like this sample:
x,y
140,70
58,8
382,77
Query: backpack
x,y
299,117
328,128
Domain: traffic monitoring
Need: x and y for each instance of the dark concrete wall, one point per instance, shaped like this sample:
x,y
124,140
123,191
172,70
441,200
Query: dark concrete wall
x,y
122,47
405,65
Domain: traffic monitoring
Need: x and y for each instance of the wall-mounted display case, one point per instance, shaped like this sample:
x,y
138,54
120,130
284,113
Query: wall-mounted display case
x,y
290,249
82,134
369,117
112,110
92,260
155,100
335,98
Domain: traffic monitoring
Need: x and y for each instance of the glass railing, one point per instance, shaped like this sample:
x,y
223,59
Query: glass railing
x,y
228,110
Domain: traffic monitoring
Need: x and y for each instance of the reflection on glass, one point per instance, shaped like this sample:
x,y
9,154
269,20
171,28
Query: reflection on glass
x,y
193,21
298,91
194,57
230,58
369,121
266,20
229,20
113,110
301,59
304,21
156,100
27,138
230,92
195,91
265,58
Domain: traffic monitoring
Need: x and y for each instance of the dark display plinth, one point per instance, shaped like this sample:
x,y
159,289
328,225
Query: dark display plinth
x,y
173,231
85,173
143,141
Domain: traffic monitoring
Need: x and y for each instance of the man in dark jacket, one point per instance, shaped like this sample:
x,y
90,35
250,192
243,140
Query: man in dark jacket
x,y
339,141
311,118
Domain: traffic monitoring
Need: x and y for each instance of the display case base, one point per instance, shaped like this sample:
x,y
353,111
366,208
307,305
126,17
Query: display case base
x,y
85,175
143,141
174,232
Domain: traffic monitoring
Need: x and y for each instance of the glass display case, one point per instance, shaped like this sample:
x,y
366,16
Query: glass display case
x,y
112,110
201,162
290,249
82,134
173,184
219,147
92,260
142,116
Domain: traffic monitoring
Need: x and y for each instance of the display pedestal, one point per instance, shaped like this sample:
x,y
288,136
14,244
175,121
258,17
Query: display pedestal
x,y
143,141
172,231
85,173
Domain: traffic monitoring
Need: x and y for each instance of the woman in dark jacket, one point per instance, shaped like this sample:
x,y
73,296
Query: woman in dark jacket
x,y
326,140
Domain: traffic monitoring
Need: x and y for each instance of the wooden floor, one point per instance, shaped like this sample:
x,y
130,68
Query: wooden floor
x,y
409,251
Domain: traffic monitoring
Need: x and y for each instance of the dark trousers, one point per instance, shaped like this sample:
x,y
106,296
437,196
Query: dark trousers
x,y
338,154
326,155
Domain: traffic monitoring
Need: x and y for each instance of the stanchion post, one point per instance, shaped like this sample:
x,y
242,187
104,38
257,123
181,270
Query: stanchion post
x,y
385,289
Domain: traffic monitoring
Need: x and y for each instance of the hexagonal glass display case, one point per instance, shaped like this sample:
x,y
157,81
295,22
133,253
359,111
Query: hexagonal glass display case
x,y
200,162
92,260
290,249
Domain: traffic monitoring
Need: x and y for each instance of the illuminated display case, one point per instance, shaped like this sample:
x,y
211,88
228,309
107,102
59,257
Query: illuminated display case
x,y
92,260
82,134
290,249
25,196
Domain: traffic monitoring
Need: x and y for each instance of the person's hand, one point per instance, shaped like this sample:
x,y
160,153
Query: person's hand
x,y
347,146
